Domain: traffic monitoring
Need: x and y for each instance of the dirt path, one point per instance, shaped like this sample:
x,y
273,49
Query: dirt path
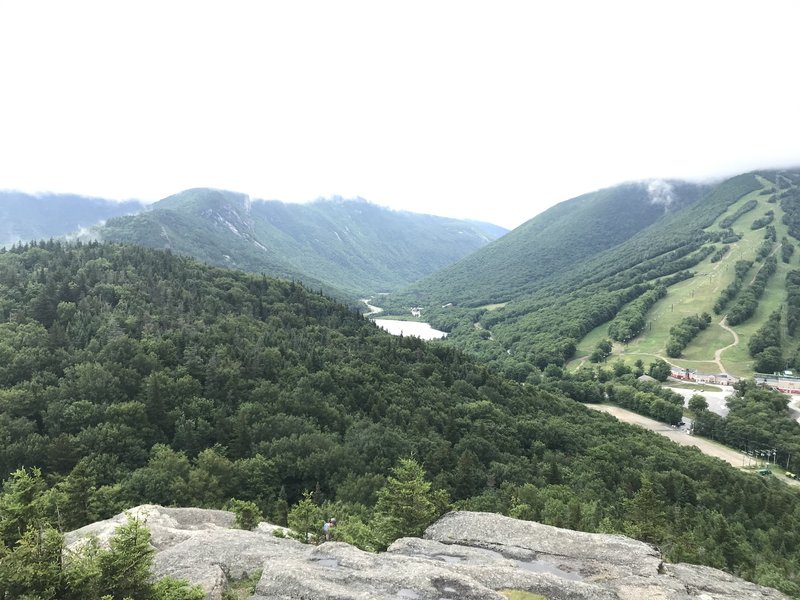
x,y
718,353
724,325
679,436
676,435
664,358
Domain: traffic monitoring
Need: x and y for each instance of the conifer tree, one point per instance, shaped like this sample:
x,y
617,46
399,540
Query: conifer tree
x,y
645,515
126,566
405,504
305,518
21,505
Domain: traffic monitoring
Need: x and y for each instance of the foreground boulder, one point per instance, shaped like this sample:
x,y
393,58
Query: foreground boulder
x,y
464,556
629,568
199,545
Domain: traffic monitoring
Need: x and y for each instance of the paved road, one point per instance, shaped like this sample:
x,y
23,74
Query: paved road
x,y
679,436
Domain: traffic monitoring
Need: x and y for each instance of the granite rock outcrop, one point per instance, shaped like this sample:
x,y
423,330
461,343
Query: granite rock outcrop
x,y
463,556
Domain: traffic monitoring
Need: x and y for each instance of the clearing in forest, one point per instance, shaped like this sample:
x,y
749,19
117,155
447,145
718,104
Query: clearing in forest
x,y
715,349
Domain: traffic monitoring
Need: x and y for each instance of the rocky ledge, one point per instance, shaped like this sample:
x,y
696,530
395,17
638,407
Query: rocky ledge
x,y
464,556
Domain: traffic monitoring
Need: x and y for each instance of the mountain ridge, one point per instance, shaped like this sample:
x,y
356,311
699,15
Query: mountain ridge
x,y
551,241
547,318
351,245
27,217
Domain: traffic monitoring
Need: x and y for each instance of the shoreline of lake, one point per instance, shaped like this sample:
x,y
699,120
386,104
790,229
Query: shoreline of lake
x,y
397,327
415,328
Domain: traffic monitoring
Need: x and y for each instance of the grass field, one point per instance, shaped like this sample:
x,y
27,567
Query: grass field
x,y
491,307
712,338
700,387
698,294
588,343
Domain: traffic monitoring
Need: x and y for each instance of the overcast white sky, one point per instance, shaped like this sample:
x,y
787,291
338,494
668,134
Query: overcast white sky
x,y
485,110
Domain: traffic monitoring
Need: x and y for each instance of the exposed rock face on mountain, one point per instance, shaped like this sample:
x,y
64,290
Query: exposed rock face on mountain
x,y
349,245
464,556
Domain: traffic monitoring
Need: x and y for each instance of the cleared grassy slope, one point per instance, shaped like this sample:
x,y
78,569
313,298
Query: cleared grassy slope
x,y
549,323
698,295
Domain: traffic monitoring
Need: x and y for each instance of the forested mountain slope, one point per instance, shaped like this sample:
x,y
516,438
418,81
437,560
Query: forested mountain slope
x,y
671,270
559,239
130,376
25,217
349,245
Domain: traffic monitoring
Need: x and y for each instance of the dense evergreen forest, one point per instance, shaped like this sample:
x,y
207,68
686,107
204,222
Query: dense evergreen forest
x,y
129,375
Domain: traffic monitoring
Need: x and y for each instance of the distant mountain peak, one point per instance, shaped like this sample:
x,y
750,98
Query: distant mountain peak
x,y
334,243
28,217
336,199
204,198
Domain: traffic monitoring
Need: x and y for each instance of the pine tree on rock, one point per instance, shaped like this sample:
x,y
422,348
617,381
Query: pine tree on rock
x,y
405,505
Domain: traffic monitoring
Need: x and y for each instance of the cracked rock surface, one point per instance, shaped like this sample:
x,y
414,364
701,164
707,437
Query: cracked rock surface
x,y
463,556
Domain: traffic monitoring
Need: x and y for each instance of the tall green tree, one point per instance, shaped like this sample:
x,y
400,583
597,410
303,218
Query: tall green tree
x,y
697,403
645,514
659,369
126,567
305,518
32,567
21,505
406,505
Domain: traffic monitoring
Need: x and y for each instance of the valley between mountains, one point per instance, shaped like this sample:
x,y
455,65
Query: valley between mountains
x,y
212,351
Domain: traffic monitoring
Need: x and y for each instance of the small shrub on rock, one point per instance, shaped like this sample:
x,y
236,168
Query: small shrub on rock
x,y
247,513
